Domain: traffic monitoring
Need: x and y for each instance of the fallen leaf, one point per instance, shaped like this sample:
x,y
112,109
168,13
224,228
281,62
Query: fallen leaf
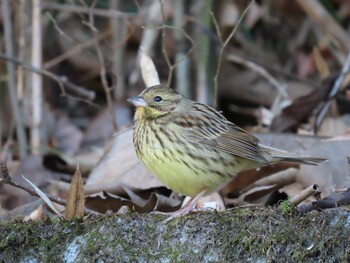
x,y
43,196
254,194
245,178
148,70
281,179
301,108
36,215
75,201
103,202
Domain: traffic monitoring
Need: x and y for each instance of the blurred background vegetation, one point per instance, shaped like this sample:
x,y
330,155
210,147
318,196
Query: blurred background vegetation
x,y
68,66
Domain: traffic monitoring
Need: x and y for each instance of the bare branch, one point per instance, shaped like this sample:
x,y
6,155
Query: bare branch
x,y
62,80
103,70
86,10
218,69
319,14
306,193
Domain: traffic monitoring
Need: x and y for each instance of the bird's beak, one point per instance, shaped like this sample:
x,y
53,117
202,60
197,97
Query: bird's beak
x,y
137,101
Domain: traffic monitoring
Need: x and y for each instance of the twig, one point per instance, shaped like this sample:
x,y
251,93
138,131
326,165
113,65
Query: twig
x,y
216,39
8,180
333,92
86,10
320,15
103,71
306,193
62,80
180,59
149,37
75,49
79,46
225,43
16,111
189,51
281,88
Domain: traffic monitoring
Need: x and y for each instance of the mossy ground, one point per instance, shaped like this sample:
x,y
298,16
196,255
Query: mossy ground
x,y
239,235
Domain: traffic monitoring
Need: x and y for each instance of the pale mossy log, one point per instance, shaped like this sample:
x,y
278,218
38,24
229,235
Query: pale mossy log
x,y
239,235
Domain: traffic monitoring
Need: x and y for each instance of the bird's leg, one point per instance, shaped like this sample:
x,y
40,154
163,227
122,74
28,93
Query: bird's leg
x,y
188,207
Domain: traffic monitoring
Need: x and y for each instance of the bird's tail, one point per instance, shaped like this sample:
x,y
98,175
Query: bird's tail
x,y
277,155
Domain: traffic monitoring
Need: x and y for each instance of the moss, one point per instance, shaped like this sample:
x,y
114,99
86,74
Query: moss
x,y
230,236
26,239
286,207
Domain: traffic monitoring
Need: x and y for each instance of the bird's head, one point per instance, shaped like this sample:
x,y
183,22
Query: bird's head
x,y
155,102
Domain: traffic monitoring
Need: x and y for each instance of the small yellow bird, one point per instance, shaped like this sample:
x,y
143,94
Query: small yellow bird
x,y
192,148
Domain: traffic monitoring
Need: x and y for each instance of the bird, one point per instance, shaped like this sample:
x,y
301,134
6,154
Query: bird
x,y
192,148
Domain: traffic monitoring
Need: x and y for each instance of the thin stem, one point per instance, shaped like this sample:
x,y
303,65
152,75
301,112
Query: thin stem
x,y
62,80
228,39
11,79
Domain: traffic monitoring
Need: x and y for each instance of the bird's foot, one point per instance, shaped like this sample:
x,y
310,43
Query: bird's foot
x,y
186,209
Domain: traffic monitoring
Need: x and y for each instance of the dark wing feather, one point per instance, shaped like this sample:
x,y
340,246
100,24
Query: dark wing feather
x,y
205,125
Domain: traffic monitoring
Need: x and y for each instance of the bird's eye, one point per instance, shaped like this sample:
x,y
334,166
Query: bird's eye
x,y
157,99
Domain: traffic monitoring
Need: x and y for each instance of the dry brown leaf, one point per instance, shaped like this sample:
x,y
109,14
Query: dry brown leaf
x,y
245,178
66,164
280,179
301,108
75,202
257,195
36,215
103,202
253,195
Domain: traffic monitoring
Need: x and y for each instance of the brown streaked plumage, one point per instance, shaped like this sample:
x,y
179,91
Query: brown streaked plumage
x,y
191,147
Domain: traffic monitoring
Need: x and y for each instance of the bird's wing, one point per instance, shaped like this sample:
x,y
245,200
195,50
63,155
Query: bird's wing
x,y
207,126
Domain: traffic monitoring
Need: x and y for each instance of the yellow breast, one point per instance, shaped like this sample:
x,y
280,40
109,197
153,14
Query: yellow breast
x,y
183,166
